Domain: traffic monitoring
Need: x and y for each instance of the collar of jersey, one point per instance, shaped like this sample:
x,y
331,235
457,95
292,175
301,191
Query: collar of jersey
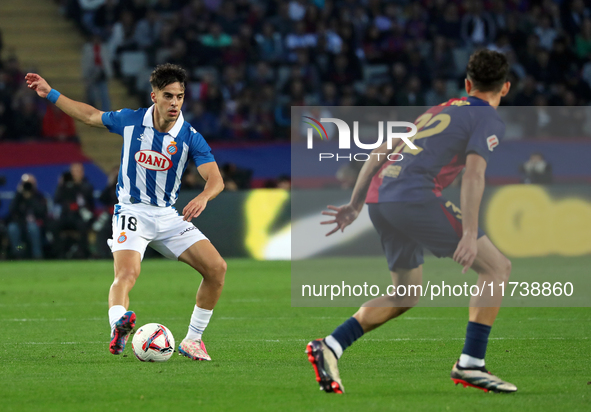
x,y
149,122
475,101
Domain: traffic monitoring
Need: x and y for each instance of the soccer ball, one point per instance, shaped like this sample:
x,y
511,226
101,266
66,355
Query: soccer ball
x,y
153,342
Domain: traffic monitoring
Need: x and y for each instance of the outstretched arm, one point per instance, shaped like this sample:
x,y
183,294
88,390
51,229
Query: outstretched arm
x,y
78,110
213,186
345,215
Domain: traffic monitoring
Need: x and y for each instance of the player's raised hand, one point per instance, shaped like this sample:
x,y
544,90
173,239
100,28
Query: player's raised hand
x,y
194,208
38,84
466,252
343,217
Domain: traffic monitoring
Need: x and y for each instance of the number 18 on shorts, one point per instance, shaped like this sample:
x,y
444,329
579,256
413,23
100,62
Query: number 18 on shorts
x,y
139,225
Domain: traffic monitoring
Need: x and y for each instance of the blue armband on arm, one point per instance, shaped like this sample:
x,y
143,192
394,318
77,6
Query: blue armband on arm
x,y
53,95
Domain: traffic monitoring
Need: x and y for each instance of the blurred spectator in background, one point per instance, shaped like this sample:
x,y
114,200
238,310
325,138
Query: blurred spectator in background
x,y
5,108
544,70
449,24
546,33
203,121
122,36
102,225
299,39
148,29
579,87
14,73
341,74
438,94
583,41
192,180
76,207
412,94
27,120
213,98
216,38
26,219
528,92
57,125
270,47
89,9
441,60
536,170
235,178
105,18
370,98
478,27
574,15
329,95
347,174
97,69
284,182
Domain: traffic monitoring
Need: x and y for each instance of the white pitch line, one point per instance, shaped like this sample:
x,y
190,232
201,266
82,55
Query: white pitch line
x,y
306,340
59,343
53,320
266,318
34,320
462,339
104,303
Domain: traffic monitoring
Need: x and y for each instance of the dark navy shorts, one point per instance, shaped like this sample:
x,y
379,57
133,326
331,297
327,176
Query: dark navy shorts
x,y
405,228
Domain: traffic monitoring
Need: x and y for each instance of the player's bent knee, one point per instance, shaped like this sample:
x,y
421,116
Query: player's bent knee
x,y
507,270
223,267
219,269
127,275
412,302
408,303
404,303
502,270
216,272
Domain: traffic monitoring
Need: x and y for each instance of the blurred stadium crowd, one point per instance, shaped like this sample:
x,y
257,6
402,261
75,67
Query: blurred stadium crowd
x,y
24,116
251,60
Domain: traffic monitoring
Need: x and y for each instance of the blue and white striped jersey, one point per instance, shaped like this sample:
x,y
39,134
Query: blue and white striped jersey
x,y
152,163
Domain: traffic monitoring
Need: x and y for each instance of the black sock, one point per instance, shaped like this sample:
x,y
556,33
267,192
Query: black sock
x,y
476,340
345,335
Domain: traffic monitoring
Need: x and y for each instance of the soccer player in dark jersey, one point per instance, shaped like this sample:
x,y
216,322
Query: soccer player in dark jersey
x,y
408,211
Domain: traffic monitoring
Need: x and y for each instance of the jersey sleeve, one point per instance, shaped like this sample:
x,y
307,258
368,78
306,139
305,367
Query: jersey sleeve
x,y
200,150
116,121
486,135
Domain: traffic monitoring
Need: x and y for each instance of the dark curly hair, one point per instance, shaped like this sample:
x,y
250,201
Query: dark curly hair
x,y
488,70
165,74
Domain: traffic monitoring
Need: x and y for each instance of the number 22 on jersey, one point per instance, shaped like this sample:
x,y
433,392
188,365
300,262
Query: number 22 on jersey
x,y
428,125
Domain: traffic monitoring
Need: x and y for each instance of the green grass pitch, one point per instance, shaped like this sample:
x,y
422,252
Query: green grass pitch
x,y
54,348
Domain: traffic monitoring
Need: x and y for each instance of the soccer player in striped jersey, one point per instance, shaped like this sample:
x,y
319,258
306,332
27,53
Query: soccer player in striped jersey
x,y
409,212
157,143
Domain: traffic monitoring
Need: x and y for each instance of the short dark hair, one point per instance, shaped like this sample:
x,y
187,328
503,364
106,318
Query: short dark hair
x,y
488,70
165,74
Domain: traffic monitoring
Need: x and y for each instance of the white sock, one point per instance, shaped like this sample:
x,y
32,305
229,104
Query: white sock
x,y
199,321
467,361
334,345
115,313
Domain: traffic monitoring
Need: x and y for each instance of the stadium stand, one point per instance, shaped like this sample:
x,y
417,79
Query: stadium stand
x,y
250,61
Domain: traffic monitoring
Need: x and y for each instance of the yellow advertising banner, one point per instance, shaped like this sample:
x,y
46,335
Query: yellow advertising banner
x,y
526,221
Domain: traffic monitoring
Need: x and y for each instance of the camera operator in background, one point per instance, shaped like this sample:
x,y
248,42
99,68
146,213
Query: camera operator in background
x,y
102,225
536,170
26,219
76,210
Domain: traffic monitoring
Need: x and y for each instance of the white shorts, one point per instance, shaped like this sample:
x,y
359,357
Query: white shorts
x,y
139,225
